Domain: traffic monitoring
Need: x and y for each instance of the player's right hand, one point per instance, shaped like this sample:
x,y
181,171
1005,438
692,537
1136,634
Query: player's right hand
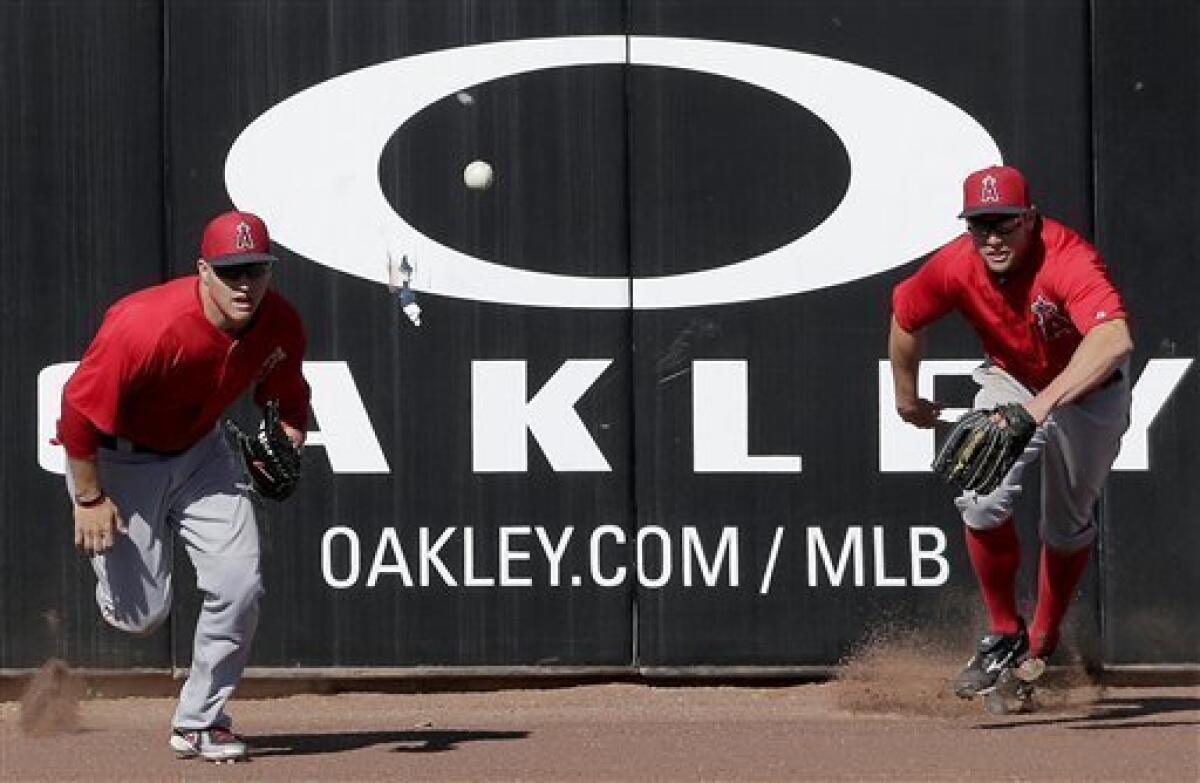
x,y
97,528
919,412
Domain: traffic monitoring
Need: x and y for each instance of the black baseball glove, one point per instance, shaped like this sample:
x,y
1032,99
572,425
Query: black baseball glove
x,y
271,459
983,446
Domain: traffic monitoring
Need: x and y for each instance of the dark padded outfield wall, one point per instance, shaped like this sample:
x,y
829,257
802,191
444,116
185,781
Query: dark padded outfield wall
x,y
81,215
1147,95
392,552
645,419
724,171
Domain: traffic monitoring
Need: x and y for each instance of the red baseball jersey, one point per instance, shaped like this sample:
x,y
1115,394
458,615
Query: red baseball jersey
x,y
161,374
1031,323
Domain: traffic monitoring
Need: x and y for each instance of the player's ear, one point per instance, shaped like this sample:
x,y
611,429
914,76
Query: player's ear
x,y
204,270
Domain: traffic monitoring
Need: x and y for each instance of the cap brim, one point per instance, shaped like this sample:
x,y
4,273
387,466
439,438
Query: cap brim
x,y
237,259
996,210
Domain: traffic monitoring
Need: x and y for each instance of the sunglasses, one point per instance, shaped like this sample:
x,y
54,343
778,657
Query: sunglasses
x,y
1001,227
240,272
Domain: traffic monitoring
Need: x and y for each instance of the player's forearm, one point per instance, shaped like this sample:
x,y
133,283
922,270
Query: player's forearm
x,y
1101,352
85,477
904,352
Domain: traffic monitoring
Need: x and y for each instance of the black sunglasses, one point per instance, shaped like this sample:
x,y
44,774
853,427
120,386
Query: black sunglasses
x,y
1002,227
239,272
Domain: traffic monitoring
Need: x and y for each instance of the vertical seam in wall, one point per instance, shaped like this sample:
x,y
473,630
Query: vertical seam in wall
x,y
1093,195
166,216
164,131
1090,99
627,102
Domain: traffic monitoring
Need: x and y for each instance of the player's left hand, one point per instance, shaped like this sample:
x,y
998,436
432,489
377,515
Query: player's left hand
x,y
983,446
271,457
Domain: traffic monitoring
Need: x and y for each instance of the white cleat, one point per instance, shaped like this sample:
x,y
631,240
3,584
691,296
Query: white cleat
x,y
216,744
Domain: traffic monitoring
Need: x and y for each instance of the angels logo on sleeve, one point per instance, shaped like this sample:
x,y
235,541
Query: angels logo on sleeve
x,y
1051,321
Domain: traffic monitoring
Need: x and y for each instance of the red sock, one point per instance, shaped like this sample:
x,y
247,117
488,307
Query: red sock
x,y
1058,577
996,555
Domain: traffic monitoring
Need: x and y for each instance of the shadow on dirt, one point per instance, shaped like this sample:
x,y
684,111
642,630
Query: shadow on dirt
x,y
1118,713
411,741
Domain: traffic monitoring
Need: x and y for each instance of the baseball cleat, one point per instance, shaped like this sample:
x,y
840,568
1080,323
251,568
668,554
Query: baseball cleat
x,y
217,744
1012,694
995,653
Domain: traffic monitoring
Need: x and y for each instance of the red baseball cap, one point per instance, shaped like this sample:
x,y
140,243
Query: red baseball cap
x,y
996,190
233,238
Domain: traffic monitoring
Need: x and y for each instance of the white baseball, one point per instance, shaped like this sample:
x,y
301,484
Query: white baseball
x,y
478,175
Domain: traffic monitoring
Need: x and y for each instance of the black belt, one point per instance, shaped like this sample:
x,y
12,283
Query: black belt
x,y
114,443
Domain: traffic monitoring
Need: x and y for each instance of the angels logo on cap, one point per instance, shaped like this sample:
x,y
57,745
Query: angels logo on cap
x,y
996,190
990,192
235,238
244,241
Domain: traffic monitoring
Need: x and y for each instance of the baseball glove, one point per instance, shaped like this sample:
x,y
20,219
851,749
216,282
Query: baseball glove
x,y
271,459
983,446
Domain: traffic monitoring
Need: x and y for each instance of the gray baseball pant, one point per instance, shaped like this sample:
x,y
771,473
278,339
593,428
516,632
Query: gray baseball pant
x,y
201,495
1077,445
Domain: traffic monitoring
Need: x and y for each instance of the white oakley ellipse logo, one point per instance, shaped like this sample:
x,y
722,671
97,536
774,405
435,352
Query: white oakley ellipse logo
x,y
310,167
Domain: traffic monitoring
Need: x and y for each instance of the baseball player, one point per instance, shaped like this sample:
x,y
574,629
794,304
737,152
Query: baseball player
x,y
147,460
1054,331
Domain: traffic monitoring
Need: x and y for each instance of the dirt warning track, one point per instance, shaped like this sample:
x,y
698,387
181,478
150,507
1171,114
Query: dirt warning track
x,y
632,732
